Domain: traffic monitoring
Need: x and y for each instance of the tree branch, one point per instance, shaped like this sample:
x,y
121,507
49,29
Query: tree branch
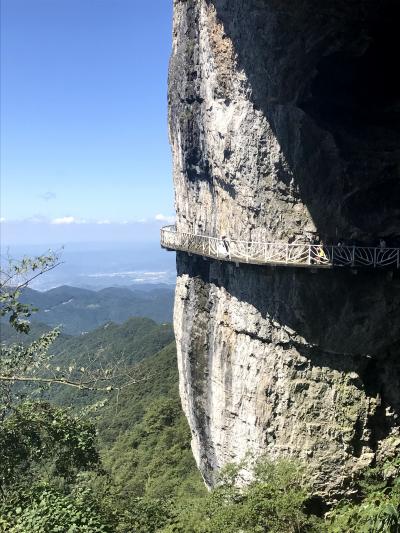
x,y
87,385
42,271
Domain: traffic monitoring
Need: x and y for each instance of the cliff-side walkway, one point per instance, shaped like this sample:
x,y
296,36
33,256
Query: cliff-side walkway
x,y
278,253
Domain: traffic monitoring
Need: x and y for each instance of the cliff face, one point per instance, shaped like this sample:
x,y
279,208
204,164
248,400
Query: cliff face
x,y
284,124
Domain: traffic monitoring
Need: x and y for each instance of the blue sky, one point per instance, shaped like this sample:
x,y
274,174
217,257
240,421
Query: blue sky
x,y
84,138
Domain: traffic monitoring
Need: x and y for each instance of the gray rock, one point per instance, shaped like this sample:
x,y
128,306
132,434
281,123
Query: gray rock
x,y
278,133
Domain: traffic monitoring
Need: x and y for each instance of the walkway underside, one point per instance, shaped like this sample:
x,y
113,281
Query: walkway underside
x,y
263,253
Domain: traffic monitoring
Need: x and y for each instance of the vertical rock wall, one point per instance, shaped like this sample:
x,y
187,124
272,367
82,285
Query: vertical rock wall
x,y
284,125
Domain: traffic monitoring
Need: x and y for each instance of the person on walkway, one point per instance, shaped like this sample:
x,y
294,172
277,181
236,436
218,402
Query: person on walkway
x,y
321,254
226,245
317,251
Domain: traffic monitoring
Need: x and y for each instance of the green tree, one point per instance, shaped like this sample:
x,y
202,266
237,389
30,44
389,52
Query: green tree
x,y
29,363
43,448
14,277
43,509
39,438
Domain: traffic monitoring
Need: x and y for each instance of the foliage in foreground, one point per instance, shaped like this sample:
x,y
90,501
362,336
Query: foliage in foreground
x,y
38,437
52,478
45,509
43,450
150,483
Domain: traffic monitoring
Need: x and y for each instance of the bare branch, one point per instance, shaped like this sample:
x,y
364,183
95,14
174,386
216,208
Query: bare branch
x,y
42,271
87,385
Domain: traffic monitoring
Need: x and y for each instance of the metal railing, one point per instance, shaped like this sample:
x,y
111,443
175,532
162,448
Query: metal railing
x,y
260,253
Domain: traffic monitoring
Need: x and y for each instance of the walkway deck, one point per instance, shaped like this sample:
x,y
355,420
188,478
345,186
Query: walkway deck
x,y
266,253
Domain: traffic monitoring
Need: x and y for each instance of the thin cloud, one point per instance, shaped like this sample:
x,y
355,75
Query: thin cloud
x,y
49,195
73,220
35,219
66,220
2,219
165,218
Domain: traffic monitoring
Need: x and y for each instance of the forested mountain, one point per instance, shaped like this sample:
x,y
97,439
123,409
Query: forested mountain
x,y
129,342
80,310
144,436
120,461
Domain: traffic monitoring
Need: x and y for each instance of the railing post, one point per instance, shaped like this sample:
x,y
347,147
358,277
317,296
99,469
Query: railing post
x,y
353,255
209,246
287,253
265,252
374,257
309,254
332,252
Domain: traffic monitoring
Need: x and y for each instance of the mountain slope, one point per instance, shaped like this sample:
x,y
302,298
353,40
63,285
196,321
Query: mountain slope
x,y
81,310
145,438
131,342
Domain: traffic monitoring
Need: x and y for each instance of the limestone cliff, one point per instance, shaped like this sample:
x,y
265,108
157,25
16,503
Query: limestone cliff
x,y
284,125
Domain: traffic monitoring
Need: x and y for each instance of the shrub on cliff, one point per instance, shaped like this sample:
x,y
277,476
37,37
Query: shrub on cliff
x,y
274,501
379,508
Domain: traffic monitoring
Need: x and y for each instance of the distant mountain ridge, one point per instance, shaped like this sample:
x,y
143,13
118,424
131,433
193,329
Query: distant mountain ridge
x,y
79,310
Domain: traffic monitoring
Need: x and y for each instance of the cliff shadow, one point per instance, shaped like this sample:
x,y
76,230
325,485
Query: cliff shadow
x,y
324,77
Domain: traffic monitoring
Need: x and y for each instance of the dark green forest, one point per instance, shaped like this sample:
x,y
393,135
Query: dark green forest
x,y
118,458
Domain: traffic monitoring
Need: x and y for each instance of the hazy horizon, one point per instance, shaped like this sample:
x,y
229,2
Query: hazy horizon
x,y
98,265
